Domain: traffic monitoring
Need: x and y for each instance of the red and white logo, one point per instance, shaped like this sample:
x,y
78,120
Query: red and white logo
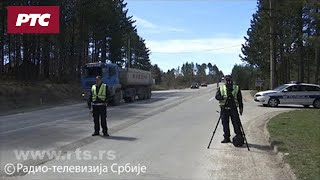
x,y
33,19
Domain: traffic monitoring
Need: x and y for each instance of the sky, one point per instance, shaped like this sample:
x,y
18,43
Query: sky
x,y
199,31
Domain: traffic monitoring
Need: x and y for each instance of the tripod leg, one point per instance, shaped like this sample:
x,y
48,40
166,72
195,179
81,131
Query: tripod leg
x,y
244,136
214,132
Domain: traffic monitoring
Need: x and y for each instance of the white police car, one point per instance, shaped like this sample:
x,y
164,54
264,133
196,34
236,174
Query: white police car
x,y
295,93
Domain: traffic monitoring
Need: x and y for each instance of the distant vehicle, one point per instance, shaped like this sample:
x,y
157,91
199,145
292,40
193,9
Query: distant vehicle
x,y
126,84
204,84
293,93
194,86
222,80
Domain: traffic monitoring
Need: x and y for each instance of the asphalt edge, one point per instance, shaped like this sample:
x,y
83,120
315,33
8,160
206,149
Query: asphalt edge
x,y
279,155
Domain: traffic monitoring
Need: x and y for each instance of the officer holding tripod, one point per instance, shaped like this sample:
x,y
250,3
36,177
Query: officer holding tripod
x,y
229,97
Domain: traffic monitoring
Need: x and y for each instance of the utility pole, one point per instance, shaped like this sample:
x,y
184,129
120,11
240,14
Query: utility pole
x,y
272,65
129,53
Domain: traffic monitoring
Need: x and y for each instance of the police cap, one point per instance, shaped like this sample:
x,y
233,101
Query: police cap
x,y
228,77
98,78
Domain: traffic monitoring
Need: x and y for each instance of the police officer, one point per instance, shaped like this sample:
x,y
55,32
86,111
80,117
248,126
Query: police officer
x,y
98,106
229,97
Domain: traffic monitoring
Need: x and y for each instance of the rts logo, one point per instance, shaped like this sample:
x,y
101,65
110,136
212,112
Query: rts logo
x,y
24,18
33,19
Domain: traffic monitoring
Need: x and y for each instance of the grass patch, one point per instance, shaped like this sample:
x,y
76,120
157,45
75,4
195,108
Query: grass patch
x,y
298,133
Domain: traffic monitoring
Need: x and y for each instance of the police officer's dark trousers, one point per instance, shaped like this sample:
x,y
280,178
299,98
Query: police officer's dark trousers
x,y
226,113
100,111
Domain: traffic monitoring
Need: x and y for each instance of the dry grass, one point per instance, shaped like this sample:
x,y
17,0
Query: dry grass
x,y
21,95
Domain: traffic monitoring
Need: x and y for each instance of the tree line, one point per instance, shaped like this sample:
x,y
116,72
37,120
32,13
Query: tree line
x,y
185,75
295,44
90,31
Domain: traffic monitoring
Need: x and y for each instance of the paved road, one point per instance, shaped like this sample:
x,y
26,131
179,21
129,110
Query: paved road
x,y
71,126
167,134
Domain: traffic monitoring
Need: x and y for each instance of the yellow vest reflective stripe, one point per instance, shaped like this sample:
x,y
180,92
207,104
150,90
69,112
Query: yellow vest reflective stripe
x,y
224,94
101,94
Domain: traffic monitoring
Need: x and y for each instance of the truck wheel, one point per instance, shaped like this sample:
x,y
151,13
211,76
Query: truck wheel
x,y
116,99
141,96
148,94
132,98
127,100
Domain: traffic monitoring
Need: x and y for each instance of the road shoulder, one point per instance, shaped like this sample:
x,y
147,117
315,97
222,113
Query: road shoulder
x,y
256,125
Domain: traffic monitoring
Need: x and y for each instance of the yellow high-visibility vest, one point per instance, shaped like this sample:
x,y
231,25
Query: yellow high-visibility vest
x,y
101,94
223,91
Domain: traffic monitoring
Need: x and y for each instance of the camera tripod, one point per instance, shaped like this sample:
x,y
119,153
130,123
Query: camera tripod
x,y
241,127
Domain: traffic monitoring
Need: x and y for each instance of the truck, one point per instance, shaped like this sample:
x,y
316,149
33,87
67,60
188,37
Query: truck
x,y
123,84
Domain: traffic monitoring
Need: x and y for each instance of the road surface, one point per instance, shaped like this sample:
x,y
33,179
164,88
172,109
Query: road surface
x,y
167,135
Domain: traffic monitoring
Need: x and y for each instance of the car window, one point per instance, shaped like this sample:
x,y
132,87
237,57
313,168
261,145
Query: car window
x,y
294,88
280,88
303,88
312,88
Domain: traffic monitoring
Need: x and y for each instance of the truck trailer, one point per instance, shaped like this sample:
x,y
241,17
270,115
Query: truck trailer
x,y
123,84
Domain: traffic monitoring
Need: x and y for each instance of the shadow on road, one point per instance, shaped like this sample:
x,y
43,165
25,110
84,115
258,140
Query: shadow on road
x,y
148,101
121,138
258,146
138,102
